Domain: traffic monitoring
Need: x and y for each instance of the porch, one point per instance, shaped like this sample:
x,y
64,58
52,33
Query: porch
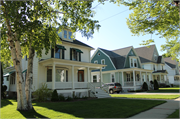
x,y
64,75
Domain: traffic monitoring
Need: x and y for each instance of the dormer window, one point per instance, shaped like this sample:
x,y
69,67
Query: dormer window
x,y
65,34
133,62
70,34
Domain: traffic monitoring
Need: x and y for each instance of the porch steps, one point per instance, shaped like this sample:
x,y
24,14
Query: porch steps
x,y
101,93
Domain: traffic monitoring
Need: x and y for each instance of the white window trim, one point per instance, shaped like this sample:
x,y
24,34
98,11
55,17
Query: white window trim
x,y
96,77
67,34
111,77
96,61
133,61
103,64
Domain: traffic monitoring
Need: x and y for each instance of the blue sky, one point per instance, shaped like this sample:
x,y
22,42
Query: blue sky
x,y
114,32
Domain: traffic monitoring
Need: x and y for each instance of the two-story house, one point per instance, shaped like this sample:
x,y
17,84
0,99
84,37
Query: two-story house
x,y
151,60
66,68
123,66
173,70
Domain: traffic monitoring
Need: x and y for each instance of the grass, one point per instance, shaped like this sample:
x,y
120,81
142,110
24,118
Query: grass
x,y
166,90
100,108
174,115
150,96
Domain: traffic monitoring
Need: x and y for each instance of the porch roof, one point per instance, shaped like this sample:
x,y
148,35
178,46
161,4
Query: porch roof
x,y
51,61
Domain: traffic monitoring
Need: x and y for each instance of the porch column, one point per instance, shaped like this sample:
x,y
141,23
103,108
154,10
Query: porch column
x,y
53,77
160,77
146,78
152,77
122,78
134,78
88,75
141,77
101,77
72,76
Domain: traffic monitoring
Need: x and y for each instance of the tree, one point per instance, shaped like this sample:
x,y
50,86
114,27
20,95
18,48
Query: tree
x,y
159,17
3,87
30,26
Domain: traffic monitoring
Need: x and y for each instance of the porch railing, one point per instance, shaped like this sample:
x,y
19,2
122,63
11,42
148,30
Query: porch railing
x,y
105,87
81,85
63,85
92,88
129,83
138,83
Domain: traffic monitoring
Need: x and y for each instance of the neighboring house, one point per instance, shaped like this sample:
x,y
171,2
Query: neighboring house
x,y
123,66
65,68
151,60
173,70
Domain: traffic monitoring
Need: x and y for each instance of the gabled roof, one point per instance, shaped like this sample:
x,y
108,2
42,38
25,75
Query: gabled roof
x,y
77,42
170,62
118,56
123,51
145,54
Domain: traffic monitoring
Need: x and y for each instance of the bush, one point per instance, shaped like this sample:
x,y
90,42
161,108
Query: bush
x,y
145,86
69,99
151,82
171,85
84,97
61,97
42,94
167,85
54,96
156,85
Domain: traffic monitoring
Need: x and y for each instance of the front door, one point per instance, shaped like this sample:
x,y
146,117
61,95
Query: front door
x,y
80,75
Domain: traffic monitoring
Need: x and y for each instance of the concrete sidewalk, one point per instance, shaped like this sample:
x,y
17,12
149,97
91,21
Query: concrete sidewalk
x,y
160,112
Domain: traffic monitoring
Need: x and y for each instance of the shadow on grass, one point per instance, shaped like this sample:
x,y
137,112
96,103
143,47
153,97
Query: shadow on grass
x,y
5,102
32,114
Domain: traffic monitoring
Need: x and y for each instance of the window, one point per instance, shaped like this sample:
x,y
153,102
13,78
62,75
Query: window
x,y
103,62
12,78
133,62
65,34
131,52
112,78
143,66
154,67
162,67
70,34
49,75
60,75
94,78
96,62
66,75
58,53
137,77
99,54
128,77
75,54
155,57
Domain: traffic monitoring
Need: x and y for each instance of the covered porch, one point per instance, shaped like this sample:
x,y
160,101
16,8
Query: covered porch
x,y
64,75
177,80
161,76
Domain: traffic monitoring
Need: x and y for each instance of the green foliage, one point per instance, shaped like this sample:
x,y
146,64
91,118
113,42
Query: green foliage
x,y
84,97
156,85
61,97
155,17
42,94
145,86
69,98
54,96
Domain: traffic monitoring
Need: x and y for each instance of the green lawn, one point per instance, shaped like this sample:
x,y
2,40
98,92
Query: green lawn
x,y
166,90
174,115
150,96
100,108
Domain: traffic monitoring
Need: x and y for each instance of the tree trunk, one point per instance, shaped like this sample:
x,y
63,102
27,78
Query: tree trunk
x,y
29,77
15,54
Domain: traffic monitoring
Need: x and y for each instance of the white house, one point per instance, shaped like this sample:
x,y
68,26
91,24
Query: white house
x,y
173,70
65,68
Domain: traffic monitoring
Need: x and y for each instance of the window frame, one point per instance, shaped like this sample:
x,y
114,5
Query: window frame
x,y
47,75
103,64
60,53
133,61
96,61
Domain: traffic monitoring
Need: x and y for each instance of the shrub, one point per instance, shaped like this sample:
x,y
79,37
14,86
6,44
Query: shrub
x,y
171,85
167,85
69,98
42,94
84,97
145,86
61,97
151,82
156,85
54,96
